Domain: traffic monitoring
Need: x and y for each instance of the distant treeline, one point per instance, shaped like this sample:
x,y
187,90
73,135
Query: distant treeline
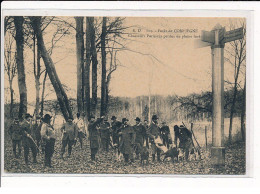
x,y
169,108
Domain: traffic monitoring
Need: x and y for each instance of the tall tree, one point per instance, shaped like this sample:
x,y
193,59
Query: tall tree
x,y
50,68
103,74
19,37
238,53
87,68
243,113
10,67
80,62
94,64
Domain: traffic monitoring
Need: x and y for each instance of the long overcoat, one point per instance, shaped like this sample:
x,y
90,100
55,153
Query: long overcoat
x,y
140,134
127,140
94,134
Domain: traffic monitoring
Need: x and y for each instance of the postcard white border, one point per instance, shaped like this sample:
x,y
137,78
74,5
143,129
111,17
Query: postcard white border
x,y
179,9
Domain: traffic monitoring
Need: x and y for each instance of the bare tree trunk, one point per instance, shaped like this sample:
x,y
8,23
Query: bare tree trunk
x,y
94,65
103,76
80,62
37,80
243,113
11,99
50,68
43,91
19,37
87,68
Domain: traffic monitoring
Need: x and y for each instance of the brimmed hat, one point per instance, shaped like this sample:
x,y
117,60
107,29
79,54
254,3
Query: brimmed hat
x,y
163,122
46,117
113,117
181,126
154,117
137,119
16,119
27,115
124,120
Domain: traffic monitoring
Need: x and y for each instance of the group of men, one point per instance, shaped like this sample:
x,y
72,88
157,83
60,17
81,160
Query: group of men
x,y
118,135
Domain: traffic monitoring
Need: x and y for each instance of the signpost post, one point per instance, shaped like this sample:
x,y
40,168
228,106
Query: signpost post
x,y
217,39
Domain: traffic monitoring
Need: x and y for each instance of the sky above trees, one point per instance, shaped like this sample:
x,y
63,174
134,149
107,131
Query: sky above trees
x,y
168,66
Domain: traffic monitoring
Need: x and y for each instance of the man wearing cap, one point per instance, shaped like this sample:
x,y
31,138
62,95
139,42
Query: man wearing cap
x,y
116,125
69,134
127,140
48,136
81,126
28,141
94,136
15,133
185,139
104,129
140,133
165,132
153,133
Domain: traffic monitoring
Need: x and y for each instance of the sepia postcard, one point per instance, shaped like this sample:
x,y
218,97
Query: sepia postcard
x,y
125,94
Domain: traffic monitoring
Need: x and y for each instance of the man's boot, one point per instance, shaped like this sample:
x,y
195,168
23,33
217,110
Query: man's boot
x,y
158,158
153,157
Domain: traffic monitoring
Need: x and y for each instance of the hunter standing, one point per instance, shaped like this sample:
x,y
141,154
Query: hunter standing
x,y
104,134
140,134
81,126
154,132
70,132
93,136
165,134
37,130
116,125
48,136
28,141
15,133
127,140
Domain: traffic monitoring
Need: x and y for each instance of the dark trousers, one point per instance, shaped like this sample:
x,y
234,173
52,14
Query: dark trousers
x,y
64,145
16,143
81,136
105,143
28,144
115,139
147,142
126,157
49,150
93,153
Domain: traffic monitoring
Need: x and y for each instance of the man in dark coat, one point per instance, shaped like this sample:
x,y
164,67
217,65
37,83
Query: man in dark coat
x,y
104,129
115,125
15,133
140,134
127,140
70,133
94,136
28,141
185,139
154,132
165,133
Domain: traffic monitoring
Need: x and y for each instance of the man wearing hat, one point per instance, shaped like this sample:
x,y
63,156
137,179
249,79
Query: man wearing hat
x,y
165,134
94,136
28,141
116,125
15,133
185,139
69,134
104,129
127,140
140,134
48,136
153,133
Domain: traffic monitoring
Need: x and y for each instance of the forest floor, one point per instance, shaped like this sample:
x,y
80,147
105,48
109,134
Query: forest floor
x,y
80,163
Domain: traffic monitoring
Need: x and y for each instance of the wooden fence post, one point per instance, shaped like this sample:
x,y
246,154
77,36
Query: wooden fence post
x,y
206,137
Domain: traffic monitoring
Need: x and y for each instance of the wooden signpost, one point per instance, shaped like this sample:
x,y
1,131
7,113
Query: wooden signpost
x,y
217,39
